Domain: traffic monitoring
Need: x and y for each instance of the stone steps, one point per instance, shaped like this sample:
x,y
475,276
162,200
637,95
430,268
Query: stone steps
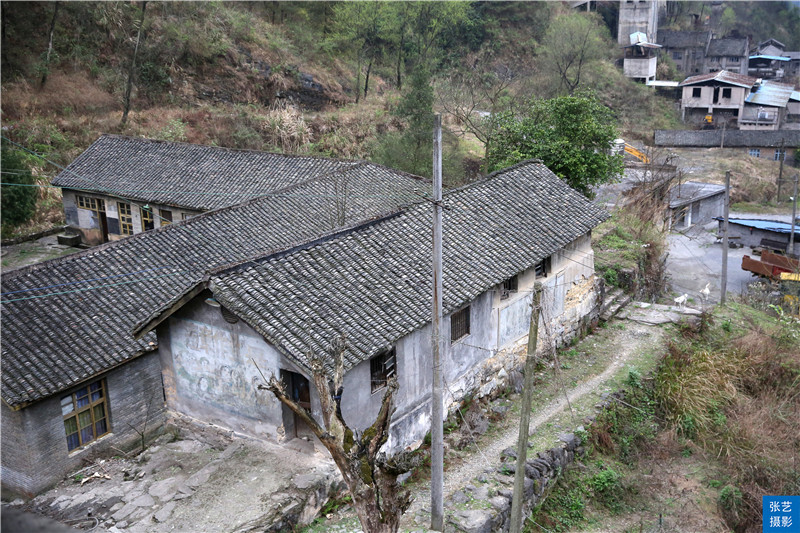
x,y
615,302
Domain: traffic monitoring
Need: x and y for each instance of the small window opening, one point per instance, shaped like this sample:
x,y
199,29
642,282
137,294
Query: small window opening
x,y
382,368
459,324
510,286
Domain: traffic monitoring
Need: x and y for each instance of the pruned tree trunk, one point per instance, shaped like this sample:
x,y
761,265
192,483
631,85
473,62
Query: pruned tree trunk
x,y
50,44
371,476
132,69
366,83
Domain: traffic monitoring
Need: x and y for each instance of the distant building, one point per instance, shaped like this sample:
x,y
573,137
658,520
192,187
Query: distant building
x,y
640,59
698,52
736,101
771,60
693,203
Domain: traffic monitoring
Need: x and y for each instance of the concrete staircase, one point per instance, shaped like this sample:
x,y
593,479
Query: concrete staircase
x,y
614,301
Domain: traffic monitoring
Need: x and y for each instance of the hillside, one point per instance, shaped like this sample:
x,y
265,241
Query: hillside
x,y
327,78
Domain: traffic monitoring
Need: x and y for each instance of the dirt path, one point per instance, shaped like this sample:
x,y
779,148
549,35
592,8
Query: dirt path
x,y
626,346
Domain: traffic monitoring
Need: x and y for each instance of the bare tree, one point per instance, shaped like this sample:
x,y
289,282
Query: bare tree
x,y
132,69
46,68
472,96
371,476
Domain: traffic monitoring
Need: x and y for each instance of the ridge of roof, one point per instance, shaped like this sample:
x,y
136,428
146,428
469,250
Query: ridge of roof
x,y
365,262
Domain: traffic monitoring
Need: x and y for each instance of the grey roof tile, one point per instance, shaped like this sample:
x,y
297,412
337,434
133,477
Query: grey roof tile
x,y
373,282
75,318
191,176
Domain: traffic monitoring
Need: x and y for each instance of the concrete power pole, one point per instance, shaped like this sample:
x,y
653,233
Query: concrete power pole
x,y
437,408
794,216
724,282
782,156
525,415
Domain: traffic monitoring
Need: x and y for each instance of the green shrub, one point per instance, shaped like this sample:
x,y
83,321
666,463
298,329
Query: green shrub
x,y
19,196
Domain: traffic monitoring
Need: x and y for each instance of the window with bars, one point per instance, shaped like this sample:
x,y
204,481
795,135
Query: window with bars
x,y
543,267
382,367
125,219
85,413
147,219
459,324
780,154
510,286
92,204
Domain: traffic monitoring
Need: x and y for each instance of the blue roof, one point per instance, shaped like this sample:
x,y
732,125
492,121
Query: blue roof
x,y
770,93
768,225
774,58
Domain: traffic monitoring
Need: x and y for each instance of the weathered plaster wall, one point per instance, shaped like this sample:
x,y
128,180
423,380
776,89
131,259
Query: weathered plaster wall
x,y
87,224
210,374
34,444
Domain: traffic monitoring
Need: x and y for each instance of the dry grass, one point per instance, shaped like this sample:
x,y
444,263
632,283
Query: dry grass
x,y
66,93
735,391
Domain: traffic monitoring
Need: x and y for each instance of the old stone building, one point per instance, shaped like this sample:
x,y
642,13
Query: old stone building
x,y
373,283
75,381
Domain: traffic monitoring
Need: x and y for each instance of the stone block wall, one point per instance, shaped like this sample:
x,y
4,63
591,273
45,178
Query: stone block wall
x,y
34,445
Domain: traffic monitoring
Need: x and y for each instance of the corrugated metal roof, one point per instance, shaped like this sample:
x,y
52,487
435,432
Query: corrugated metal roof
x,y
774,58
723,76
770,93
795,96
767,225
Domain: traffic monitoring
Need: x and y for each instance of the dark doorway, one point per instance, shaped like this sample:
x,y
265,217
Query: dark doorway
x,y
101,219
299,390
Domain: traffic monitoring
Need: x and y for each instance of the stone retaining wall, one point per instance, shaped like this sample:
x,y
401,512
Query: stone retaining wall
x,y
485,506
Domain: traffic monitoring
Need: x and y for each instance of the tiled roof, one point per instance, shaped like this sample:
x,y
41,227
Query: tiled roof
x,y
727,47
374,282
722,76
682,39
67,320
192,176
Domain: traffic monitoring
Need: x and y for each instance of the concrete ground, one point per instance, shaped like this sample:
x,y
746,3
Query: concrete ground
x,y
32,252
194,478
695,258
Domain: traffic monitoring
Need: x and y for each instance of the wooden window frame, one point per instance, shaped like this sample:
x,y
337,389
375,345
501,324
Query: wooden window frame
x,y
125,218
147,216
460,326
382,367
543,268
166,217
98,425
510,286
91,204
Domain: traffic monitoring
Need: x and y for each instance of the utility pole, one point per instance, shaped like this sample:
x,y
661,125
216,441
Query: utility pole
x,y
794,216
525,416
782,156
724,282
437,424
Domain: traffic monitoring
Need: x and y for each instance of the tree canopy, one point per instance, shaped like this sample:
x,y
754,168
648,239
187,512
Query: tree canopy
x,y
19,196
572,135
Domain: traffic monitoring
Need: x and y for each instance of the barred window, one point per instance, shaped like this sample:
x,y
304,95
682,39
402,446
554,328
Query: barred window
x,y
459,324
85,413
543,267
510,286
382,367
125,219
